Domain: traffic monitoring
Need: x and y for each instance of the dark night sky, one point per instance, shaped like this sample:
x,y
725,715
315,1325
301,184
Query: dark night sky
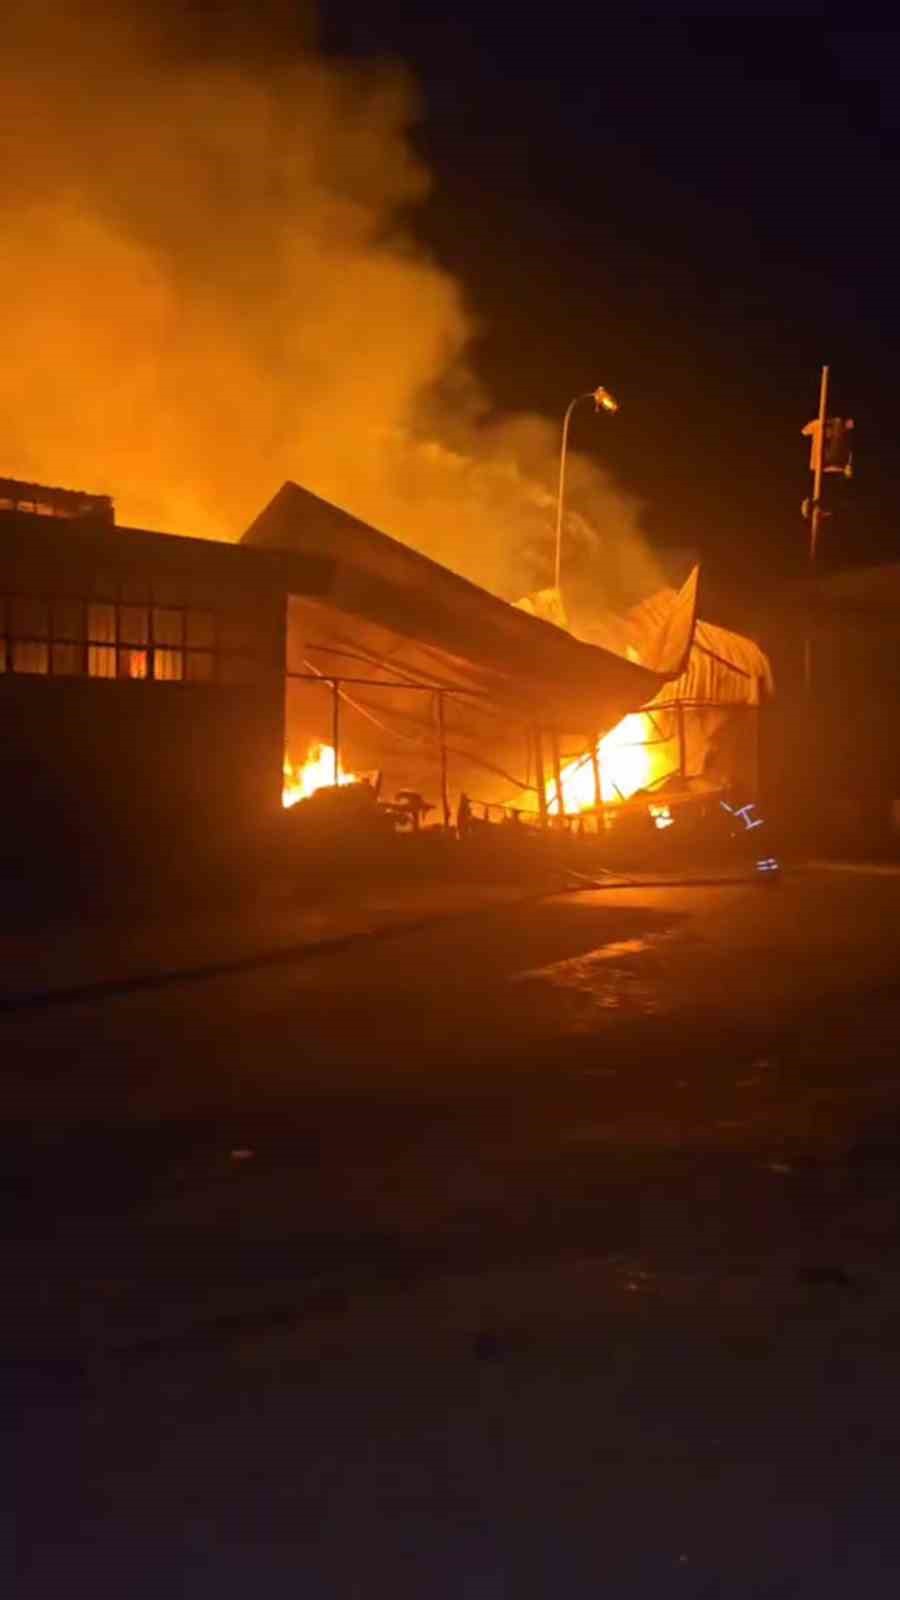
x,y
695,213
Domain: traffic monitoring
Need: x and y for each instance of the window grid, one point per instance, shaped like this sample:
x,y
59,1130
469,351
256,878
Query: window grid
x,y
106,638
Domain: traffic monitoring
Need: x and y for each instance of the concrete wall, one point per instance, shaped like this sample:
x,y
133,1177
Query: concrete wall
x,y
112,790
831,759
132,792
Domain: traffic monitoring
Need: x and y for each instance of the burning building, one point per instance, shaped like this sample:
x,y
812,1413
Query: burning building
x,y
164,697
700,730
406,669
410,670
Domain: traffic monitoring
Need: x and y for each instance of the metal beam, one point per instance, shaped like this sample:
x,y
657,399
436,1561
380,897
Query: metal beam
x,y
557,773
442,732
595,768
539,775
336,725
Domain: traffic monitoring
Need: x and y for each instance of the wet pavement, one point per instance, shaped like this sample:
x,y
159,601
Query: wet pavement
x,y
537,1249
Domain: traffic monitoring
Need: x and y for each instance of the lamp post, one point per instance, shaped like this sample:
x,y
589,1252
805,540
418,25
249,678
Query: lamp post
x,y
603,401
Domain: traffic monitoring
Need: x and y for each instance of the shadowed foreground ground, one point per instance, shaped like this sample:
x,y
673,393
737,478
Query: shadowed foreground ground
x,y
550,1249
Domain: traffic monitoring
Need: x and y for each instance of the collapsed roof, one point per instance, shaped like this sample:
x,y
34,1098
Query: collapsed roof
x,y
390,611
723,668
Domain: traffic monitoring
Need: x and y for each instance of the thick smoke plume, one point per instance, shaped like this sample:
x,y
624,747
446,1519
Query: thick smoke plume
x,y
210,284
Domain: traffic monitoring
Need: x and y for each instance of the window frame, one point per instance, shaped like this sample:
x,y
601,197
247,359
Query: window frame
x,y
221,665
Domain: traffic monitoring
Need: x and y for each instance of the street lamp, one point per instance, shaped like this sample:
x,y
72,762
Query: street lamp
x,y
603,401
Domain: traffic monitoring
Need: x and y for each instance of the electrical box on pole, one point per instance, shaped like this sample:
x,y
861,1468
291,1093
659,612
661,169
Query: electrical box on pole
x,y
830,451
839,446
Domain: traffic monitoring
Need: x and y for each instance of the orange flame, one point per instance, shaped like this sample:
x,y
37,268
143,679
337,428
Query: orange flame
x,y
316,772
627,761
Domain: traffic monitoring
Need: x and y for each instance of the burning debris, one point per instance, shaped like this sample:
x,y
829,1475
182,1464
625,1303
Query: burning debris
x,y
690,742
322,777
631,757
321,770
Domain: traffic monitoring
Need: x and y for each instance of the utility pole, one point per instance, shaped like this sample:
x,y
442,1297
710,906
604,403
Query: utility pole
x,y
817,463
831,452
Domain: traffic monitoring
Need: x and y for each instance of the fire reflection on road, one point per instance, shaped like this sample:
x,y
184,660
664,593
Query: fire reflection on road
x,y
616,976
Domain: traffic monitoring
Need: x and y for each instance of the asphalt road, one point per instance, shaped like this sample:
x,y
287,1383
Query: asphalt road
x,y
551,1249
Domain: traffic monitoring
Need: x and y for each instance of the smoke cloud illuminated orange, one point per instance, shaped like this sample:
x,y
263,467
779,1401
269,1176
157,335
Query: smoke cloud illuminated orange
x,y
210,285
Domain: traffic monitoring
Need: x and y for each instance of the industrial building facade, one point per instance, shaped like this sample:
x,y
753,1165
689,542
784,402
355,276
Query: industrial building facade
x,y
141,706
